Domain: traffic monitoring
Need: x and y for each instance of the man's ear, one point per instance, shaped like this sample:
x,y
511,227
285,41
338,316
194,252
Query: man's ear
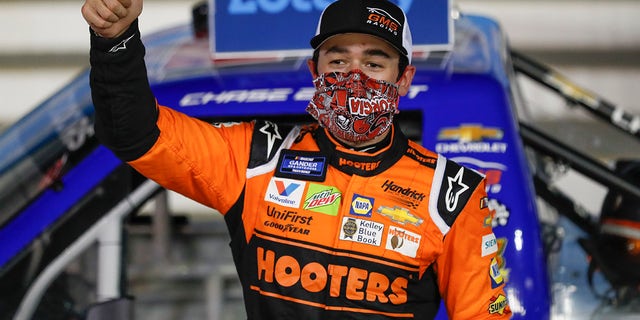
x,y
313,68
404,83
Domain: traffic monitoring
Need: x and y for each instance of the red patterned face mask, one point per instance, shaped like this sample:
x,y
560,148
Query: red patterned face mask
x,y
353,106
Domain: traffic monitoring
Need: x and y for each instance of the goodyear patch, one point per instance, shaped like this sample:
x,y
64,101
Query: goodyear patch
x,y
361,206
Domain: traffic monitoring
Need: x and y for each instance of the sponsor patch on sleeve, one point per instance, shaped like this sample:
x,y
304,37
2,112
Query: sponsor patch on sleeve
x,y
489,244
499,305
495,274
457,186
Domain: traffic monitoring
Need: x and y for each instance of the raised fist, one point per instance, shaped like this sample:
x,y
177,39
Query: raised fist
x,y
110,18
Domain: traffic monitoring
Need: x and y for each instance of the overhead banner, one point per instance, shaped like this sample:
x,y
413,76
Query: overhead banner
x,y
279,28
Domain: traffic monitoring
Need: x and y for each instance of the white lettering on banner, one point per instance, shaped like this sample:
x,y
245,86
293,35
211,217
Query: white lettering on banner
x,y
254,95
464,147
274,6
238,7
262,95
304,94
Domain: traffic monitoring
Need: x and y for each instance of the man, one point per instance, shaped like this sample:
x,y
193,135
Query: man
x,y
347,219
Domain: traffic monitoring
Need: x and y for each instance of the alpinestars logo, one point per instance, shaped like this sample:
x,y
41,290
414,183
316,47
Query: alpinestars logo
x,y
272,134
122,45
456,188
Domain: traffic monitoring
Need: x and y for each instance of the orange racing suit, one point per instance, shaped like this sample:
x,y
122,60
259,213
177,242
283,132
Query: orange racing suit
x,y
318,231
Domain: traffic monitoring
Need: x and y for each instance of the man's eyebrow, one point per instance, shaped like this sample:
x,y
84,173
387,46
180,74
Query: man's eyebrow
x,y
337,49
368,52
377,52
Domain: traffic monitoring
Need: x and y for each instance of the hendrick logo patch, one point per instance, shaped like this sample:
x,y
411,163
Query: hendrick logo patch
x,y
406,195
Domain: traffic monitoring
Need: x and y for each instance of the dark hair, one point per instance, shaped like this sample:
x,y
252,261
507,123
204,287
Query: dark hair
x,y
402,64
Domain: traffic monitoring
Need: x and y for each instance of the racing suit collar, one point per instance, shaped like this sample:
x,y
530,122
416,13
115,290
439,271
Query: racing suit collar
x,y
371,149
363,163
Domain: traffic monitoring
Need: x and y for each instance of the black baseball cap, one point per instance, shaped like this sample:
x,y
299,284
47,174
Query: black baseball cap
x,y
380,18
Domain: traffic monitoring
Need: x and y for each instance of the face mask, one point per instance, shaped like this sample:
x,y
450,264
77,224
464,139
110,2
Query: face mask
x,y
353,106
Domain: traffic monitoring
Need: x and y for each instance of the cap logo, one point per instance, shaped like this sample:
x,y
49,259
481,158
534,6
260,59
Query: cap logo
x,y
381,18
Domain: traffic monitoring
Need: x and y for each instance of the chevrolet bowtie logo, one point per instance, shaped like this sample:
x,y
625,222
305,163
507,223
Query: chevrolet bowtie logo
x,y
400,215
470,132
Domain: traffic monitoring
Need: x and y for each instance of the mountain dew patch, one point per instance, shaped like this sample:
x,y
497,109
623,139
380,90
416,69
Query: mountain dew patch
x,y
322,199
